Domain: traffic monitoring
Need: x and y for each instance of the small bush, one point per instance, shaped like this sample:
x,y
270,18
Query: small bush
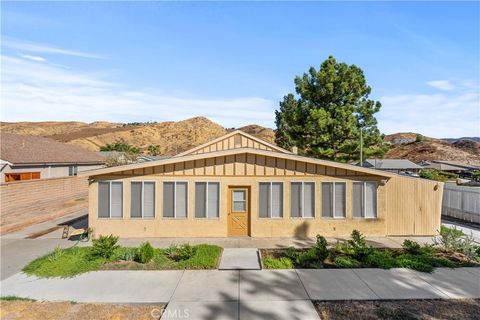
x,y
346,262
358,246
56,254
104,247
145,253
320,248
411,247
184,252
282,263
381,259
415,262
127,254
419,138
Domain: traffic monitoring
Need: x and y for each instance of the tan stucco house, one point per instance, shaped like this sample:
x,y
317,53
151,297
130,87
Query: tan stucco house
x,y
238,185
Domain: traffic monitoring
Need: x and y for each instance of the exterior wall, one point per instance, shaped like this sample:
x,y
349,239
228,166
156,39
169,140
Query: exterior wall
x,y
46,172
250,170
33,201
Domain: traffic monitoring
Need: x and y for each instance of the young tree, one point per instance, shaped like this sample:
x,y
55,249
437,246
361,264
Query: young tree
x,y
325,119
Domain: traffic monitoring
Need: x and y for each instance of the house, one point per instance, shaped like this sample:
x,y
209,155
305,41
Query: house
x,y
239,185
442,167
31,157
458,164
392,165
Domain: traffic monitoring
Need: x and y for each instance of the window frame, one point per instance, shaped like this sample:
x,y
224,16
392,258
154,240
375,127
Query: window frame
x,y
333,200
303,200
110,200
142,200
175,200
364,196
206,200
269,214
73,170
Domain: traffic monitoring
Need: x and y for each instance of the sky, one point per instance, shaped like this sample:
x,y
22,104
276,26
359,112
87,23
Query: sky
x,y
234,61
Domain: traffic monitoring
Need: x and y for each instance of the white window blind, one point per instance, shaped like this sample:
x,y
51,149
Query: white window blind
x,y
142,199
110,199
364,199
302,199
270,200
333,199
175,201
207,199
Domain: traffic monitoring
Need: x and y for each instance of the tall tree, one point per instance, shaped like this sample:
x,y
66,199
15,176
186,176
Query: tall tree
x,y
324,119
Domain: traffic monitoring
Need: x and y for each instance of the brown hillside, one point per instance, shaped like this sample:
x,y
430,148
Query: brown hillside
x,y
467,151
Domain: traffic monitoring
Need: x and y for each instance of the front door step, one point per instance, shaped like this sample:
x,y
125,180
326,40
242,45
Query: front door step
x,y
240,259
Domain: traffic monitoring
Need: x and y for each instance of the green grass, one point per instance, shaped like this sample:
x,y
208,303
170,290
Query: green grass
x,y
15,298
64,263
277,263
73,261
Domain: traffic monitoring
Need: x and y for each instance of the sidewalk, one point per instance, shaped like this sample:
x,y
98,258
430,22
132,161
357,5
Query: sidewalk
x,y
265,294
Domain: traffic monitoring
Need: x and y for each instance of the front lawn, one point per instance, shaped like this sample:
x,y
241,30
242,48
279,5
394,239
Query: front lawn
x,y
452,250
105,254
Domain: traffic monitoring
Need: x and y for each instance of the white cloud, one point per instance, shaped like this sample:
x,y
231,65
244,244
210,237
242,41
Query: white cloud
x,y
444,85
42,48
39,92
456,114
33,58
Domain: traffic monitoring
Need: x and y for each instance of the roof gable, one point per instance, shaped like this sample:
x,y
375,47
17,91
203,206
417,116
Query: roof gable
x,y
226,153
234,140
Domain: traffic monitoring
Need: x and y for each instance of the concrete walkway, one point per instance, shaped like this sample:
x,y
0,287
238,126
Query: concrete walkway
x,y
240,259
248,294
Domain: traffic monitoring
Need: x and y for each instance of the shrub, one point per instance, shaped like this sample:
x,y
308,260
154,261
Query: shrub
x,y
320,248
281,263
358,245
419,138
415,262
104,247
184,252
307,259
127,254
56,254
381,259
346,262
411,247
144,253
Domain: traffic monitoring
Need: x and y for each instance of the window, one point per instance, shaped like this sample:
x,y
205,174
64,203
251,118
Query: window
x,y
364,199
270,200
239,203
333,199
110,199
142,199
175,202
207,199
302,200
9,177
72,170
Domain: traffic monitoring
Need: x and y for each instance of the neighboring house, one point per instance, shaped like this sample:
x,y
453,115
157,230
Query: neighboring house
x,y
238,185
442,167
466,166
392,165
31,157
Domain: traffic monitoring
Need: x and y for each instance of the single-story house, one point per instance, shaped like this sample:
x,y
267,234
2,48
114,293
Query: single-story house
x,y
458,164
31,157
442,167
392,165
239,185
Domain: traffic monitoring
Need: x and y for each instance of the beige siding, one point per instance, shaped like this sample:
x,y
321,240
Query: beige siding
x,y
406,206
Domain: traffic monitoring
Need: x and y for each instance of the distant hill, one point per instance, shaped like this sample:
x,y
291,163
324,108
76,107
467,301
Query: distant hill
x,y
175,137
452,140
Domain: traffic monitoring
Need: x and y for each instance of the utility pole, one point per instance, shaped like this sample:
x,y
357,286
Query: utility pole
x,y
361,146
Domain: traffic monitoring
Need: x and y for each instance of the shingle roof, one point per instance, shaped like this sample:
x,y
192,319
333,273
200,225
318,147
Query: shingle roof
x,y
20,149
395,164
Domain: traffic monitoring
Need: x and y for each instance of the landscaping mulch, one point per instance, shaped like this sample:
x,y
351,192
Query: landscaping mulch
x,y
399,310
13,310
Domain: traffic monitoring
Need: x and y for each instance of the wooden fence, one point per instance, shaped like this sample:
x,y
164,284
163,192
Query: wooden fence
x,y
461,202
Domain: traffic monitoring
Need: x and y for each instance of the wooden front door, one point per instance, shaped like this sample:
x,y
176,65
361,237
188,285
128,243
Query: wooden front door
x,y
238,211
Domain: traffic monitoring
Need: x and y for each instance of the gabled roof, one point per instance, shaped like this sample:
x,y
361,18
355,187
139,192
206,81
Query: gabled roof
x,y
394,164
20,149
248,137
458,164
283,155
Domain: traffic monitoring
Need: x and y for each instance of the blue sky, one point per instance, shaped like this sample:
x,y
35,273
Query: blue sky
x,y
233,62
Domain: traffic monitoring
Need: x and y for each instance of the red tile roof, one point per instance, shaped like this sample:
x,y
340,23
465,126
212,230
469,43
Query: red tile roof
x,y
20,149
